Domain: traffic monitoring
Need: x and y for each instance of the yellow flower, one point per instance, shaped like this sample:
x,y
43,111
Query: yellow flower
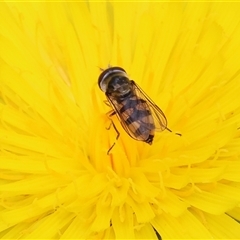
x,y
56,179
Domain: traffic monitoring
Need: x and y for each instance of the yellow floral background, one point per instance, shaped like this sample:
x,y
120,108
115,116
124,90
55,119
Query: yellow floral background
x,y
56,179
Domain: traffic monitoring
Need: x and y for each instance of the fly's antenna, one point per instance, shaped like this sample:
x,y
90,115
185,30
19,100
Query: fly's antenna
x,y
101,69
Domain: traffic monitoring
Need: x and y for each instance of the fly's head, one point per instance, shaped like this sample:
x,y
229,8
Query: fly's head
x,y
115,82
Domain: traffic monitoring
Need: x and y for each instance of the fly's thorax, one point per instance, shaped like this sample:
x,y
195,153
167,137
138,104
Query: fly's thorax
x,y
119,87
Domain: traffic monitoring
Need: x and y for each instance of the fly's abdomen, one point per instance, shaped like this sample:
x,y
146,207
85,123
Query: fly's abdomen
x,y
138,119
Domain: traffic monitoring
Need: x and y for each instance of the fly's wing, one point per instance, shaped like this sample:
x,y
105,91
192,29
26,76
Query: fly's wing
x,y
160,121
134,116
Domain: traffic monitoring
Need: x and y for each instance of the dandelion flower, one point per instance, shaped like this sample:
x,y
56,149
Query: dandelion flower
x,y
56,179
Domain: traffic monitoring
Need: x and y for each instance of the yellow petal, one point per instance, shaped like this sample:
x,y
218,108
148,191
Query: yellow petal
x,y
223,226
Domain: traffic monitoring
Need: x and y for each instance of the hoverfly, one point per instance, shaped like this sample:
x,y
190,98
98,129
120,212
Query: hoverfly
x,y
138,114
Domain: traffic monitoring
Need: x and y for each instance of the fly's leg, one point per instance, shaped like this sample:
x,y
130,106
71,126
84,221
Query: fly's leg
x,y
168,129
179,134
107,103
118,134
111,113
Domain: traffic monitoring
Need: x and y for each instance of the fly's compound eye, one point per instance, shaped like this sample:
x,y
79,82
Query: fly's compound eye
x,y
107,75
